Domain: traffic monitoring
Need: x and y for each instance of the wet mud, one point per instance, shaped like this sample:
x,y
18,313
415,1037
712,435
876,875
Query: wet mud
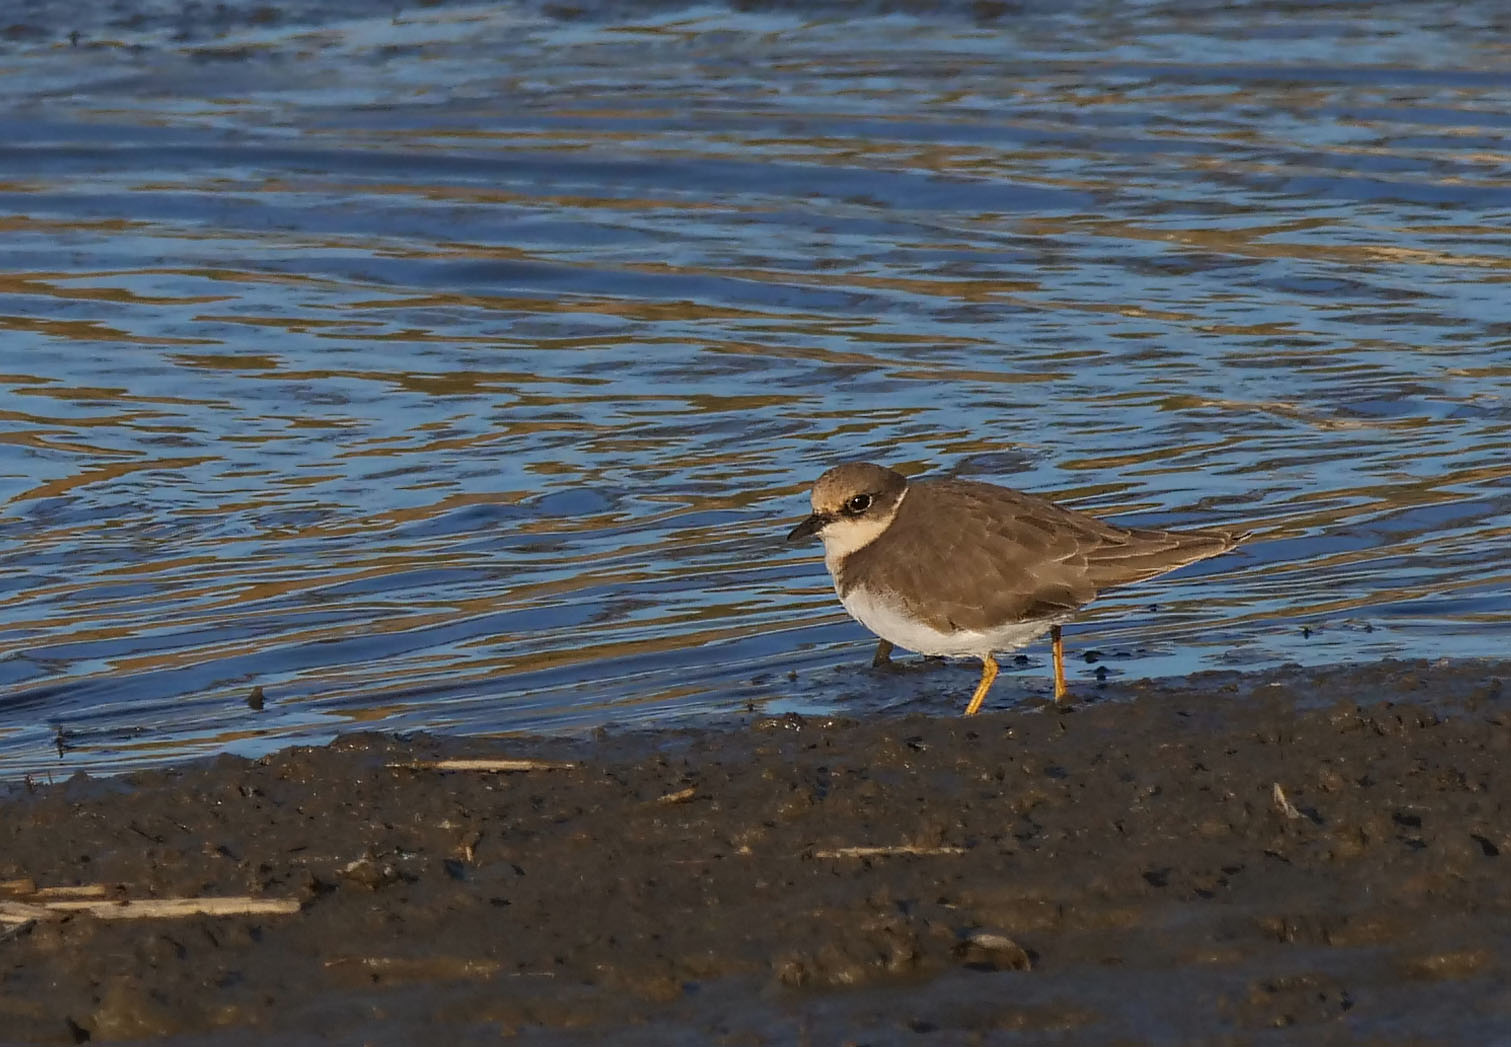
x,y
1291,857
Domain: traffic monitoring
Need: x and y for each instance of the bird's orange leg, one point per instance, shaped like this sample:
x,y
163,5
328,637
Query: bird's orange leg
x,y
988,674
1062,693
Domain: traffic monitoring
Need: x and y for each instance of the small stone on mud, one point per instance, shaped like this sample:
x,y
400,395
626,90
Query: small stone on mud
x,y
370,873
990,951
129,1012
1448,966
785,722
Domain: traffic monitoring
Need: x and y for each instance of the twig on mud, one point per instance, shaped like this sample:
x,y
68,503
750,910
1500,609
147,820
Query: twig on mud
x,y
85,890
499,764
146,908
886,851
24,912
435,967
16,930
680,796
28,890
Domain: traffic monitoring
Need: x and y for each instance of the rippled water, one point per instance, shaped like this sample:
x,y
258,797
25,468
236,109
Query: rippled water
x,y
463,369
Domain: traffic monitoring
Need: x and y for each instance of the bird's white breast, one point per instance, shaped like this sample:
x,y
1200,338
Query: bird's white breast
x,y
885,616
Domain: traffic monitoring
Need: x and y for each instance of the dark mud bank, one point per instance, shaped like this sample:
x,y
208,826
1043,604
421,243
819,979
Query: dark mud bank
x,y
1317,856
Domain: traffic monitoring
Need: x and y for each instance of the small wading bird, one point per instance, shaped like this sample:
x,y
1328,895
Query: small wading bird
x,y
960,568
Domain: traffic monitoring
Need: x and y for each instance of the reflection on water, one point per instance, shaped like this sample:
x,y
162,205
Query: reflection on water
x,y
463,369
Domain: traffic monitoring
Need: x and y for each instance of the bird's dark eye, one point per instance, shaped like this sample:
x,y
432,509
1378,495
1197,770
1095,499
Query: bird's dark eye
x,y
859,504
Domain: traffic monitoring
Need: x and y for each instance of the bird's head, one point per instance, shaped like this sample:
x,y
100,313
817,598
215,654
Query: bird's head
x,y
852,505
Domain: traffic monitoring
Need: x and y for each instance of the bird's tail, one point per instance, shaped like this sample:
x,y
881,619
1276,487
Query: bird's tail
x,y
1145,553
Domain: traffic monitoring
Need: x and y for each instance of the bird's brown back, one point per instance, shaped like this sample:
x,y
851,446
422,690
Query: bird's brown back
x,y
967,555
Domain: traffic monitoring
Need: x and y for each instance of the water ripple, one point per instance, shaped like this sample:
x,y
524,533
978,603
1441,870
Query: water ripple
x,y
468,377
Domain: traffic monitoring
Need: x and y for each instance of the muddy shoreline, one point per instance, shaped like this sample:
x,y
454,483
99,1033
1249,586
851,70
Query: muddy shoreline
x,y
1318,856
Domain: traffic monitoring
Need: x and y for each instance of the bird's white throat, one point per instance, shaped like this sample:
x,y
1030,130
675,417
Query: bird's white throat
x,y
844,535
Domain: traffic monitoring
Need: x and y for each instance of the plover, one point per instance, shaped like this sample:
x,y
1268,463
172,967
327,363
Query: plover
x,y
961,568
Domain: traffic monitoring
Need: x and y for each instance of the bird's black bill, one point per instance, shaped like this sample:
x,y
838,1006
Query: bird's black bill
x,y
813,525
